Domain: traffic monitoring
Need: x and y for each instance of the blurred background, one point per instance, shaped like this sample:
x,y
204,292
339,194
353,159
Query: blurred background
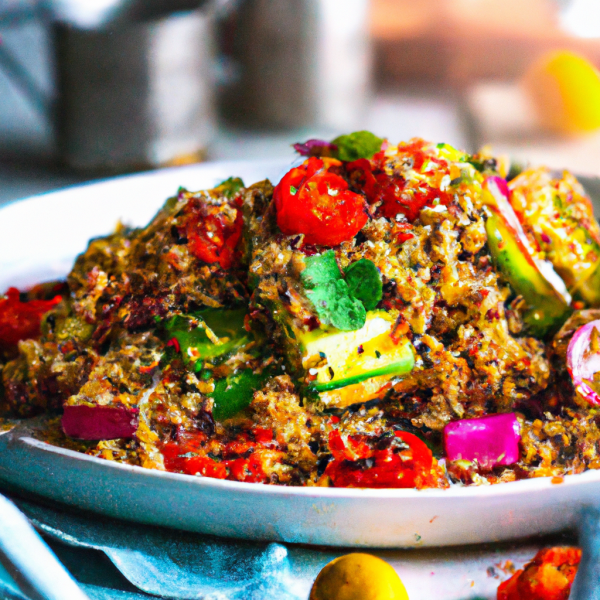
x,y
90,88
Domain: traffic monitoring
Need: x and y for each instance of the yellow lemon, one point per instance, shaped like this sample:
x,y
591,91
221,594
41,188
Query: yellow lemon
x,y
565,89
358,577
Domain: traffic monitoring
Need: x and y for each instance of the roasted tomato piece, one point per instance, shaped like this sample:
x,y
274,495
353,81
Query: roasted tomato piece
x,y
213,231
391,191
314,200
246,469
238,460
21,320
406,463
549,576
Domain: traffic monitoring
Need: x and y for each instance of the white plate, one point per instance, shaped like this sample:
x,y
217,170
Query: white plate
x,y
40,237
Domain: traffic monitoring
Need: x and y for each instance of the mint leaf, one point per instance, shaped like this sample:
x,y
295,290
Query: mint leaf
x,y
230,187
364,282
345,312
330,295
360,144
335,306
320,269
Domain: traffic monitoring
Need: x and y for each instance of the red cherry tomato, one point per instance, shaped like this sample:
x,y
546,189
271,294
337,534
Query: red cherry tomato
x,y
213,231
21,320
405,468
314,200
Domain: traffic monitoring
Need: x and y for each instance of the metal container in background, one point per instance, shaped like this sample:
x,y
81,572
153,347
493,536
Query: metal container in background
x,y
299,63
137,92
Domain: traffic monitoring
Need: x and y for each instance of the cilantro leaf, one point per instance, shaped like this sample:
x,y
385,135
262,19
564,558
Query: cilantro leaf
x,y
230,187
360,144
330,295
364,282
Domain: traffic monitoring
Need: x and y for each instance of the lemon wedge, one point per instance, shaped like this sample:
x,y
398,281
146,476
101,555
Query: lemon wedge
x,y
565,89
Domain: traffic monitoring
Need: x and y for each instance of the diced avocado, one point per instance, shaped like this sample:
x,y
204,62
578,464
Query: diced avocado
x,y
208,334
535,280
341,358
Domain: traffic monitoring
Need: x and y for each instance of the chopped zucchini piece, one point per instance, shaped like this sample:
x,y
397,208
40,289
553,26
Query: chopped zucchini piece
x,y
529,275
340,358
543,291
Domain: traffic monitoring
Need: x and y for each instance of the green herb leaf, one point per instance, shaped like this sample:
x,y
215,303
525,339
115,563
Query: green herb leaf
x,y
320,269
235,392
360,144
364,282
230,187
335,306
330,294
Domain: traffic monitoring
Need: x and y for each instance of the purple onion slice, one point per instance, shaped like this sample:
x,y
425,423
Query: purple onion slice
x,y
491,441
583,360
315,148
99,422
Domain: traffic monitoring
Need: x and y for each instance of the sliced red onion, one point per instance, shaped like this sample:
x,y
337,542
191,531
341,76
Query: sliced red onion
x,y
316,148
583,363
499,190
99,422
491,441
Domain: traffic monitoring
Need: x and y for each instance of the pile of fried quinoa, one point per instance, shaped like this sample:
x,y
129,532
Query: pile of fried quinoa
x,y
116,337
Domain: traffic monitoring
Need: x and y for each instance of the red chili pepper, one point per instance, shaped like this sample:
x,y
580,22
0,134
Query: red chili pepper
x,y
21,320
314,200
213,231
175,343
149,368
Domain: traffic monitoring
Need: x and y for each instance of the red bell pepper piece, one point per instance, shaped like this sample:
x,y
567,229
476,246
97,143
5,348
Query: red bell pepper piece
x,y
21,320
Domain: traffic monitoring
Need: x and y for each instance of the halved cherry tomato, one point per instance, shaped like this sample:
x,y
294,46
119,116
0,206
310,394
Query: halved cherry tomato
x,y
213,231
21,320
314,200
388,468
